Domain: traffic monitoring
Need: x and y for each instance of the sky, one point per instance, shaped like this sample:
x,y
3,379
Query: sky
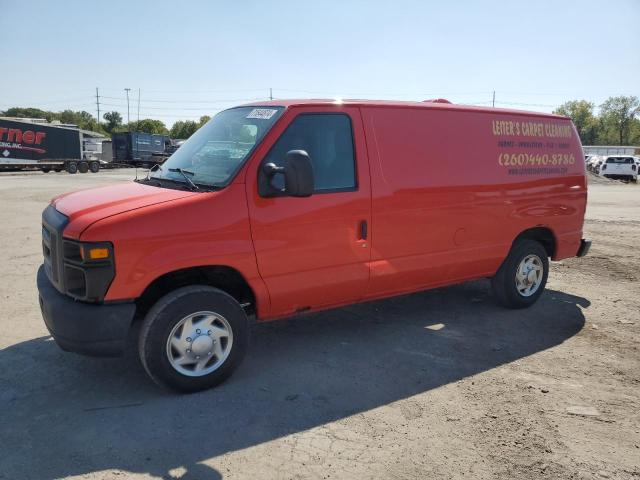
x,y
193,58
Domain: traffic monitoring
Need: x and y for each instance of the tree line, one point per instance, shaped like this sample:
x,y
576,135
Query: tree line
x,y
112,122
616,122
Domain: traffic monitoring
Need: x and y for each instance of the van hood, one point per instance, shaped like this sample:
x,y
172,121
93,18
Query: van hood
x,y
85,207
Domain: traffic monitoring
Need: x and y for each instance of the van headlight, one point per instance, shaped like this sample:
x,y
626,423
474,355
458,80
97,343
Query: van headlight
x,y
88,269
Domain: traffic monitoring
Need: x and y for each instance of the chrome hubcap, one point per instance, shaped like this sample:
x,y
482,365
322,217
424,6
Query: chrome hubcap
x,y
529,275
199,343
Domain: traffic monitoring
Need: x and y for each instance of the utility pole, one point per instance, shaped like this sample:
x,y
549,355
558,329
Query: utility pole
x,y
270,93
128,118
493,102
138,122
98,104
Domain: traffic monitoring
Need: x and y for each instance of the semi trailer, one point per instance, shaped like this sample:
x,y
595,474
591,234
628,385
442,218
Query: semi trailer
x,y
37,146
141,149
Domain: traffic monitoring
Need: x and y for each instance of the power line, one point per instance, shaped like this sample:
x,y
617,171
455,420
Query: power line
x,y
190,108
47,102
540,94
396,94
479,102
202,109
188,117
148,114
233,90
529,104
192,101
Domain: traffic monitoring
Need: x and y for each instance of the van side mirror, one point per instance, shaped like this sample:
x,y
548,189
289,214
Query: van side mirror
x,y
298,174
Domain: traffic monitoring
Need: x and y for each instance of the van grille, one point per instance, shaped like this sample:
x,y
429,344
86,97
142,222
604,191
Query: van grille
x,y
53,224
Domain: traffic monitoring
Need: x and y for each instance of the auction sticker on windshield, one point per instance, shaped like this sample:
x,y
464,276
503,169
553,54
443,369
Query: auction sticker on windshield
x,y
262,113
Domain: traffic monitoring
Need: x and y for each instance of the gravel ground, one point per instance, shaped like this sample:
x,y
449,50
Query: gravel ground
x,y
440,384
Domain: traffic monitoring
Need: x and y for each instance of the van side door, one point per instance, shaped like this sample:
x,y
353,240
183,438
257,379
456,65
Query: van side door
x,y
313,252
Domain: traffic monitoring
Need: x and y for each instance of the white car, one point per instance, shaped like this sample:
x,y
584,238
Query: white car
x,y
619,167
593,163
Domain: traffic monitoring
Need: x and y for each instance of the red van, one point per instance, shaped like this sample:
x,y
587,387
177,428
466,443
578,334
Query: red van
x,y
292,206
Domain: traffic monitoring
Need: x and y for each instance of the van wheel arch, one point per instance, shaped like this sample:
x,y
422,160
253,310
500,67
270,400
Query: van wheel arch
x,y
522,277
193,338
541,234
222,277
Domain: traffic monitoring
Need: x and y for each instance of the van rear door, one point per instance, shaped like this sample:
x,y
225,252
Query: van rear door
x,y
314,252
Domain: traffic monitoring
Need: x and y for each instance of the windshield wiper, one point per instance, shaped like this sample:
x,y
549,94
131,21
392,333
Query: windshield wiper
x,y
186,177
151,170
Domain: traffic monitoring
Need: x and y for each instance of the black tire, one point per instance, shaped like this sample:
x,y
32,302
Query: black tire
x,y
72,167
504,282
46,170
167,313
83,167
57,170
94,167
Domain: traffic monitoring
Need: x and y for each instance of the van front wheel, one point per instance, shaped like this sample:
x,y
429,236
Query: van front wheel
x,y
193,338
521,278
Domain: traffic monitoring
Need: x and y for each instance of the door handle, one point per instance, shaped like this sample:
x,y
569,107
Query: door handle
x,y
363,230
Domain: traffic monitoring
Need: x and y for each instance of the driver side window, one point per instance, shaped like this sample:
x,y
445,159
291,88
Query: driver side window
x,y
328,139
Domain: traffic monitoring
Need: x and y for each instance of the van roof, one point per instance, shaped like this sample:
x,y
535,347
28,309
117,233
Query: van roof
x,y
438,104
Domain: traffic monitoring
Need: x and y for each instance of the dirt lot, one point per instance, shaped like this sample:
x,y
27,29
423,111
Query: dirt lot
x,y
441,384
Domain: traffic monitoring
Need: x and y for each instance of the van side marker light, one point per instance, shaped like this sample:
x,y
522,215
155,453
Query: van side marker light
x,y
435,327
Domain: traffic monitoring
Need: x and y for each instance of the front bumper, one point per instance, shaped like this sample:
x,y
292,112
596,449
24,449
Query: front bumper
x,y
585,245
95,329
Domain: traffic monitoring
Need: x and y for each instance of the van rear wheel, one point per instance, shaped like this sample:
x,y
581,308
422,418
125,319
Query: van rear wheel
x,y
193,338
521,278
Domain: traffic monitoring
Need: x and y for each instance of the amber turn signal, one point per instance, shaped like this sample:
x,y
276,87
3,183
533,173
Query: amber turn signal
x,y
95,253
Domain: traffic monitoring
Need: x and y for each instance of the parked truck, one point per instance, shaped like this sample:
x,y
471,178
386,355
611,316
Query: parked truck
x,y
45,147
141,149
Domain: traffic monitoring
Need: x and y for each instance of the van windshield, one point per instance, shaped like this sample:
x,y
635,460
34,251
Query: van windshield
x,y
214,154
